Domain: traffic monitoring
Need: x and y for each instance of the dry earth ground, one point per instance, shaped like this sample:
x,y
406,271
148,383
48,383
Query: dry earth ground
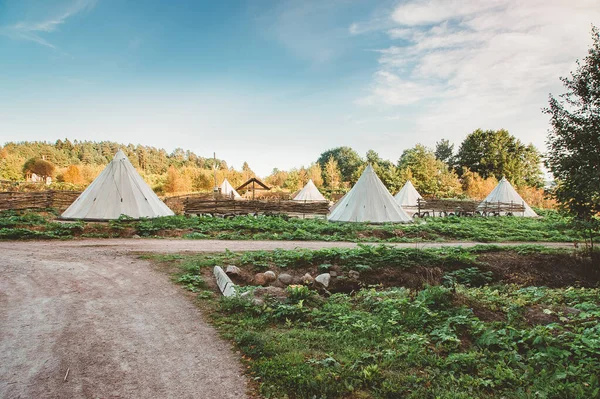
x,y
121,328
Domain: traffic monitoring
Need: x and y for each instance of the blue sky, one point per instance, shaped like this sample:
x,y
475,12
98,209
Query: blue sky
x,y
275,83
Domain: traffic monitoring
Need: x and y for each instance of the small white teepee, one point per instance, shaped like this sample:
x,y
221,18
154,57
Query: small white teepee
x,y
309,193
118,190
368,201
408,195
505,192
228,191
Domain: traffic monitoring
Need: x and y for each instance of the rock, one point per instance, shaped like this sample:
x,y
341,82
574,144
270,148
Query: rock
x,y
233,270
323,279
307,279
285,278
353,274
135,236
260,279
270,276
333,273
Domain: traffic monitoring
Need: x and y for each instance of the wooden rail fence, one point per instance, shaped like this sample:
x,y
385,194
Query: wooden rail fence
x,y
194,206
443,207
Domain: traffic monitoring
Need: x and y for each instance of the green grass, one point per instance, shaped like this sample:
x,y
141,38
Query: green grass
x,y
552,227
466,339
367,257
427,344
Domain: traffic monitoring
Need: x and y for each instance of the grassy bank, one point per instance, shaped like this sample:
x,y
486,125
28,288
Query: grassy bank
x,y
552,227
468,333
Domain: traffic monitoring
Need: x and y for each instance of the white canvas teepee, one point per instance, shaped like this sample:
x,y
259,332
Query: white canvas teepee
x,y
505,192
118,190
310,192
408,195
228,190
368,201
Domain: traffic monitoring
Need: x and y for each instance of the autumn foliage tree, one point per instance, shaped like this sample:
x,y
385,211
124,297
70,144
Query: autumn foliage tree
x,y
73,175
333,177
475,186
175,182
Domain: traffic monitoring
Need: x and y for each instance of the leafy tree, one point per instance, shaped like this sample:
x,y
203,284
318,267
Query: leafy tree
x,y
333,177
293,182
203,181
475,186
314,173
574,139
175,182
386,170
277,178
444,151
497,153
247,173
73,175
348,161
430,176
40,167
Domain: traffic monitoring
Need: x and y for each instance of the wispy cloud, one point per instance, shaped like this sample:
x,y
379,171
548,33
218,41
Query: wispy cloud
x,y
488,63
311,30
35,30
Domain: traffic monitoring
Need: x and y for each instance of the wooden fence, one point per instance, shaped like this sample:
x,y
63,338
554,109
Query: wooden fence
x,y
501,207
193,206
37,199
443,207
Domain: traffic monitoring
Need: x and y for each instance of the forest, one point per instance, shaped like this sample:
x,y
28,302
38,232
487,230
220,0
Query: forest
x,y
470,171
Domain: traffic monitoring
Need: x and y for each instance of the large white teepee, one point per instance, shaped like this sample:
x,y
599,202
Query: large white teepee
x,y
505,192
228,190
408,195
118,190
310,192
368,201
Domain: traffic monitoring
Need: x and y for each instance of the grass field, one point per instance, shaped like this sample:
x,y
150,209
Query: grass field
x,y
464,329
551,227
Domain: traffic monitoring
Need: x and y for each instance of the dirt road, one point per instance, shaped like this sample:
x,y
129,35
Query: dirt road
x,y
120,328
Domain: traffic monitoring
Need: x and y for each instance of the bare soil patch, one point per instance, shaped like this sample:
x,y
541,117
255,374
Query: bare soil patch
x,y
119,326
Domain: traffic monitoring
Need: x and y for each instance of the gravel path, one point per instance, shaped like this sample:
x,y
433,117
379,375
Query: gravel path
x,y
178,245
121,328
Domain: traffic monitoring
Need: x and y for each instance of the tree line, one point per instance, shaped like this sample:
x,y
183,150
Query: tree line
x,y
472,171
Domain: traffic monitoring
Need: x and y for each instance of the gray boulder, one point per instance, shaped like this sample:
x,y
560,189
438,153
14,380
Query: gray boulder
x,y
323,279
285,278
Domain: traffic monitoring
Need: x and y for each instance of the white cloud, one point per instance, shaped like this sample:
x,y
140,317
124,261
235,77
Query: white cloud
x,y
481,63
33,30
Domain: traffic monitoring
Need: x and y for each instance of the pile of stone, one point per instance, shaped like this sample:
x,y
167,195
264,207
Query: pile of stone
x,y
271,284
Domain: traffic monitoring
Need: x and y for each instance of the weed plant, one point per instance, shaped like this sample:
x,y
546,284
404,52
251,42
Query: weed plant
x,y
552,227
